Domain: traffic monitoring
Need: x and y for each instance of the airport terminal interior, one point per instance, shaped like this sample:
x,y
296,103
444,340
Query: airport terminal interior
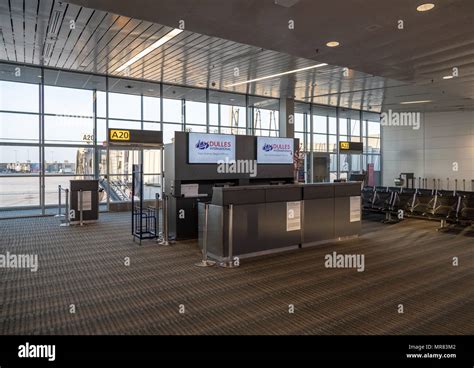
x,y
277,167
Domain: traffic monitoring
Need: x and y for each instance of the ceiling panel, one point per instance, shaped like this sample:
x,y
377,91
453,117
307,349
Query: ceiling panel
x,y
39,33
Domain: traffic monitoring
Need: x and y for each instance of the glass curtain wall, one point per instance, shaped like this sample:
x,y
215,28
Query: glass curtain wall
x,y
20,121
265,116
227,113
53,125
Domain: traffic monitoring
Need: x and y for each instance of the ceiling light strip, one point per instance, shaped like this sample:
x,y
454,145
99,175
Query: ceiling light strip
x,y
167,37
414,102
277,75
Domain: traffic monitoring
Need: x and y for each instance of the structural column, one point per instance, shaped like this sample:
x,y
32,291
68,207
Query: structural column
x,y
287,118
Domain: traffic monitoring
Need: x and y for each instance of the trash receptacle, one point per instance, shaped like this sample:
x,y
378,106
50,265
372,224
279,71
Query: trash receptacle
x,y
89,199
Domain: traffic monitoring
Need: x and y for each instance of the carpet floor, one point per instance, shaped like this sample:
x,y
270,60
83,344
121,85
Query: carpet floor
x,y
84,270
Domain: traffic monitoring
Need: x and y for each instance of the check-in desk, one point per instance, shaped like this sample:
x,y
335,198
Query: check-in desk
x,y
252,220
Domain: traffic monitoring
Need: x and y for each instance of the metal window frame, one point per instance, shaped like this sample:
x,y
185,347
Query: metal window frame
x,y
249,122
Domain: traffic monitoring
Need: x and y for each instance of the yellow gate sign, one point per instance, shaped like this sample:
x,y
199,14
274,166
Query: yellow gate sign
x,y
119,135
344,145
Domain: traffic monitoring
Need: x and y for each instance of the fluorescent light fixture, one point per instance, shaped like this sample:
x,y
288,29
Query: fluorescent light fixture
x,y
425,7
448,77
332,44
414,102
277,75
160,42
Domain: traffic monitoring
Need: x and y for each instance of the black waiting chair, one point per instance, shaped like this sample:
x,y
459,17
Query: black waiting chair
x,y
424,203
446,208
382,201
466,209
368,195
404,201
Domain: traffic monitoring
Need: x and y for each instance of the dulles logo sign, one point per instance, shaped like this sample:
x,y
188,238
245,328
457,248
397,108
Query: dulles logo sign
x,y
267,147
202,145
213,145
276,147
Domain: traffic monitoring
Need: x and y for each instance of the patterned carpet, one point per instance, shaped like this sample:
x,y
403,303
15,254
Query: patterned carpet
x,y
407,263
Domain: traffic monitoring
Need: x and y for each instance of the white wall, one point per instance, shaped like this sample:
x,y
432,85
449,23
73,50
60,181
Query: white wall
x,y
443,139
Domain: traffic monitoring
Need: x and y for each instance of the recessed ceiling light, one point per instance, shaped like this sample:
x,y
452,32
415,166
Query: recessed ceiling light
x,y
40,76
151,90
332,44
150,48
425,7
448,77
277,75
232,99
414,102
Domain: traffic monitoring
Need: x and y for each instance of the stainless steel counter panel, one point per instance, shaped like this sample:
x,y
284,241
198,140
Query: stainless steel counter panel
x,y
343,192
318,220
216,241
261,215
342,212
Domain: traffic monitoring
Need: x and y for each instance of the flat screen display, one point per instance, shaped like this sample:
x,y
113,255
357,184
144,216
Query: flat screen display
x,y
275,150
210,148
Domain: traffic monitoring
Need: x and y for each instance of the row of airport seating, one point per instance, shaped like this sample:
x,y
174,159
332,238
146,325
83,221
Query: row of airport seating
x,y
453,207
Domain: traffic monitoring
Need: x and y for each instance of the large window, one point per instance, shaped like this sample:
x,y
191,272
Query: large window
x,y
20,124
331,126
172,110
78,109
122,106
19,95
19,128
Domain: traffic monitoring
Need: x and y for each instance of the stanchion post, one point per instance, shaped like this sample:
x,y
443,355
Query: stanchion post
x,y
66,209
231,233
165,240
205,262
81,198
59,202
447,183
157,214
464,185
455,185
439,184
419,182
229,263
434,184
